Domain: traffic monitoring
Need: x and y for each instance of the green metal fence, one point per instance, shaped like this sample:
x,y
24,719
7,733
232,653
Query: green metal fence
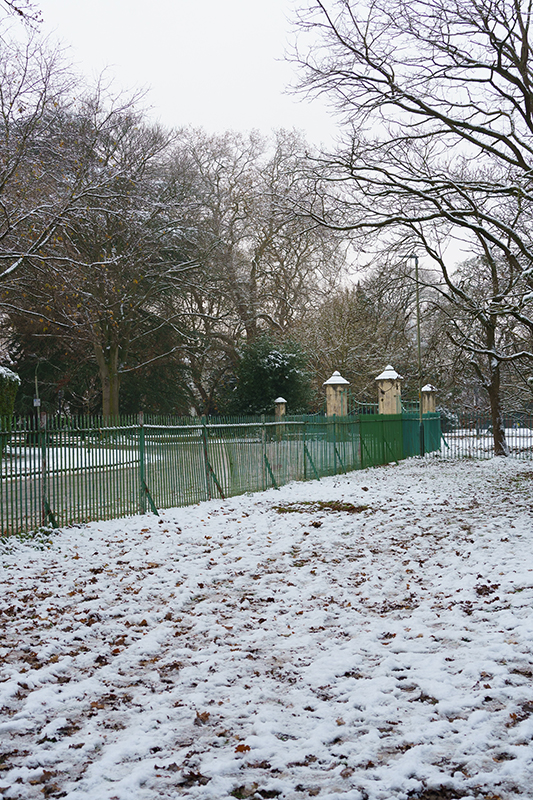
x,y
470,435
65,471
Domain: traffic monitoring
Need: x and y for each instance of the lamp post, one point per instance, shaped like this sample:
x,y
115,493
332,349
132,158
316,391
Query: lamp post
x,y
414,259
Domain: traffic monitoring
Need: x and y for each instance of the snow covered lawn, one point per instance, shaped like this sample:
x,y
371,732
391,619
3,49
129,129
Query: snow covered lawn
x,y
367,636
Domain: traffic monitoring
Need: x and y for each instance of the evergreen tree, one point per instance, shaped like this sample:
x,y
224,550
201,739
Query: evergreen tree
x,y
268,370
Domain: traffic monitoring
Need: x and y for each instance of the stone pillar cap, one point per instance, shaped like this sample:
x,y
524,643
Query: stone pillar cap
x,y
389,374
336,380
280,400
429,388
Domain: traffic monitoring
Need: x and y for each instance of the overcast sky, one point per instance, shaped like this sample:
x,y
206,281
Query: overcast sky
x,y
218,64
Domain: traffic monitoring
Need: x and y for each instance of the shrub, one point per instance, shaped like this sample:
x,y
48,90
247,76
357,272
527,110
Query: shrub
x,y
9,384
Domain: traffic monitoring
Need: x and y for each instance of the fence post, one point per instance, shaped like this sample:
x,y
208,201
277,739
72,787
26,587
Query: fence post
x,y
360,444
304,449
46,511
206,459
142,476
145,492
263,452
335,443
42,453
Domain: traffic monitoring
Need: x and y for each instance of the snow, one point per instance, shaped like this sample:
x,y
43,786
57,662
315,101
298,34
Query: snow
x,y
9,375
365,636
389,374
336,380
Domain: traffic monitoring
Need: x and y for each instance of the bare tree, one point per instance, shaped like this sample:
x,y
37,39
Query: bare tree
x,y
359,330
35,86
108,272
24,9
463,331
437,98
61,147
88,229
263,266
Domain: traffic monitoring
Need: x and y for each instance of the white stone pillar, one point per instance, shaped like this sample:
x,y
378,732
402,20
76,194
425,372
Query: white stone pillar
x,y
429,399
389,391
336,395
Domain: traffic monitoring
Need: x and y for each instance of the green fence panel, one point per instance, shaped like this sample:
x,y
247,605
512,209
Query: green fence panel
x,y
60,471
381,439
432,433
411,434
175,466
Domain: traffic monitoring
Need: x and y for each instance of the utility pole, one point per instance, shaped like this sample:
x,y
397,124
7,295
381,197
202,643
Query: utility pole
x,y
414,259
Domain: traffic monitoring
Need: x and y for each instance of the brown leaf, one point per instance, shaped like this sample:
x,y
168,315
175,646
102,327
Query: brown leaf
x,y
43,778
346,772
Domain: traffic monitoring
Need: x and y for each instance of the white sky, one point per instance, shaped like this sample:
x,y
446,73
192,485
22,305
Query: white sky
x,y
217,64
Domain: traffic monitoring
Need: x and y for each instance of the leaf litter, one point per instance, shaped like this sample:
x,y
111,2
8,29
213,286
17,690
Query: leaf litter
x,y
233,649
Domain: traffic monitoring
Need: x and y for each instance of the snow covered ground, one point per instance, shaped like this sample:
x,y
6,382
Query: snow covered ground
x,y
365,636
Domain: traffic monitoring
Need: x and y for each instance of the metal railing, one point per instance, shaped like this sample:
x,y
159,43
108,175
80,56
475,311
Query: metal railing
x,y
356,407
470,435
64,471
410,406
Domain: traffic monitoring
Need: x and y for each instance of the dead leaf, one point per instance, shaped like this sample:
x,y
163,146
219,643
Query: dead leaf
x,y
347,772
43,778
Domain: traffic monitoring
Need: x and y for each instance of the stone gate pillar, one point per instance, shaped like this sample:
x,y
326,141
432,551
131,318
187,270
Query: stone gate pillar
x,y
389,391
281,407
336,395
429,399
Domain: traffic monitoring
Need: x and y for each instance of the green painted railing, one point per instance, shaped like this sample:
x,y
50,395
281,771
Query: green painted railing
x,y
62,471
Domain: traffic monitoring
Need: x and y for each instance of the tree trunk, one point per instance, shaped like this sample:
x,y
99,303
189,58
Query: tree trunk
x,y
498,429
109,376
494,379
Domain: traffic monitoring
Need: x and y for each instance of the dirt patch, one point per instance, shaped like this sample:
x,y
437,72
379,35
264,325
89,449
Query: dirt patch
x,y
315,506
